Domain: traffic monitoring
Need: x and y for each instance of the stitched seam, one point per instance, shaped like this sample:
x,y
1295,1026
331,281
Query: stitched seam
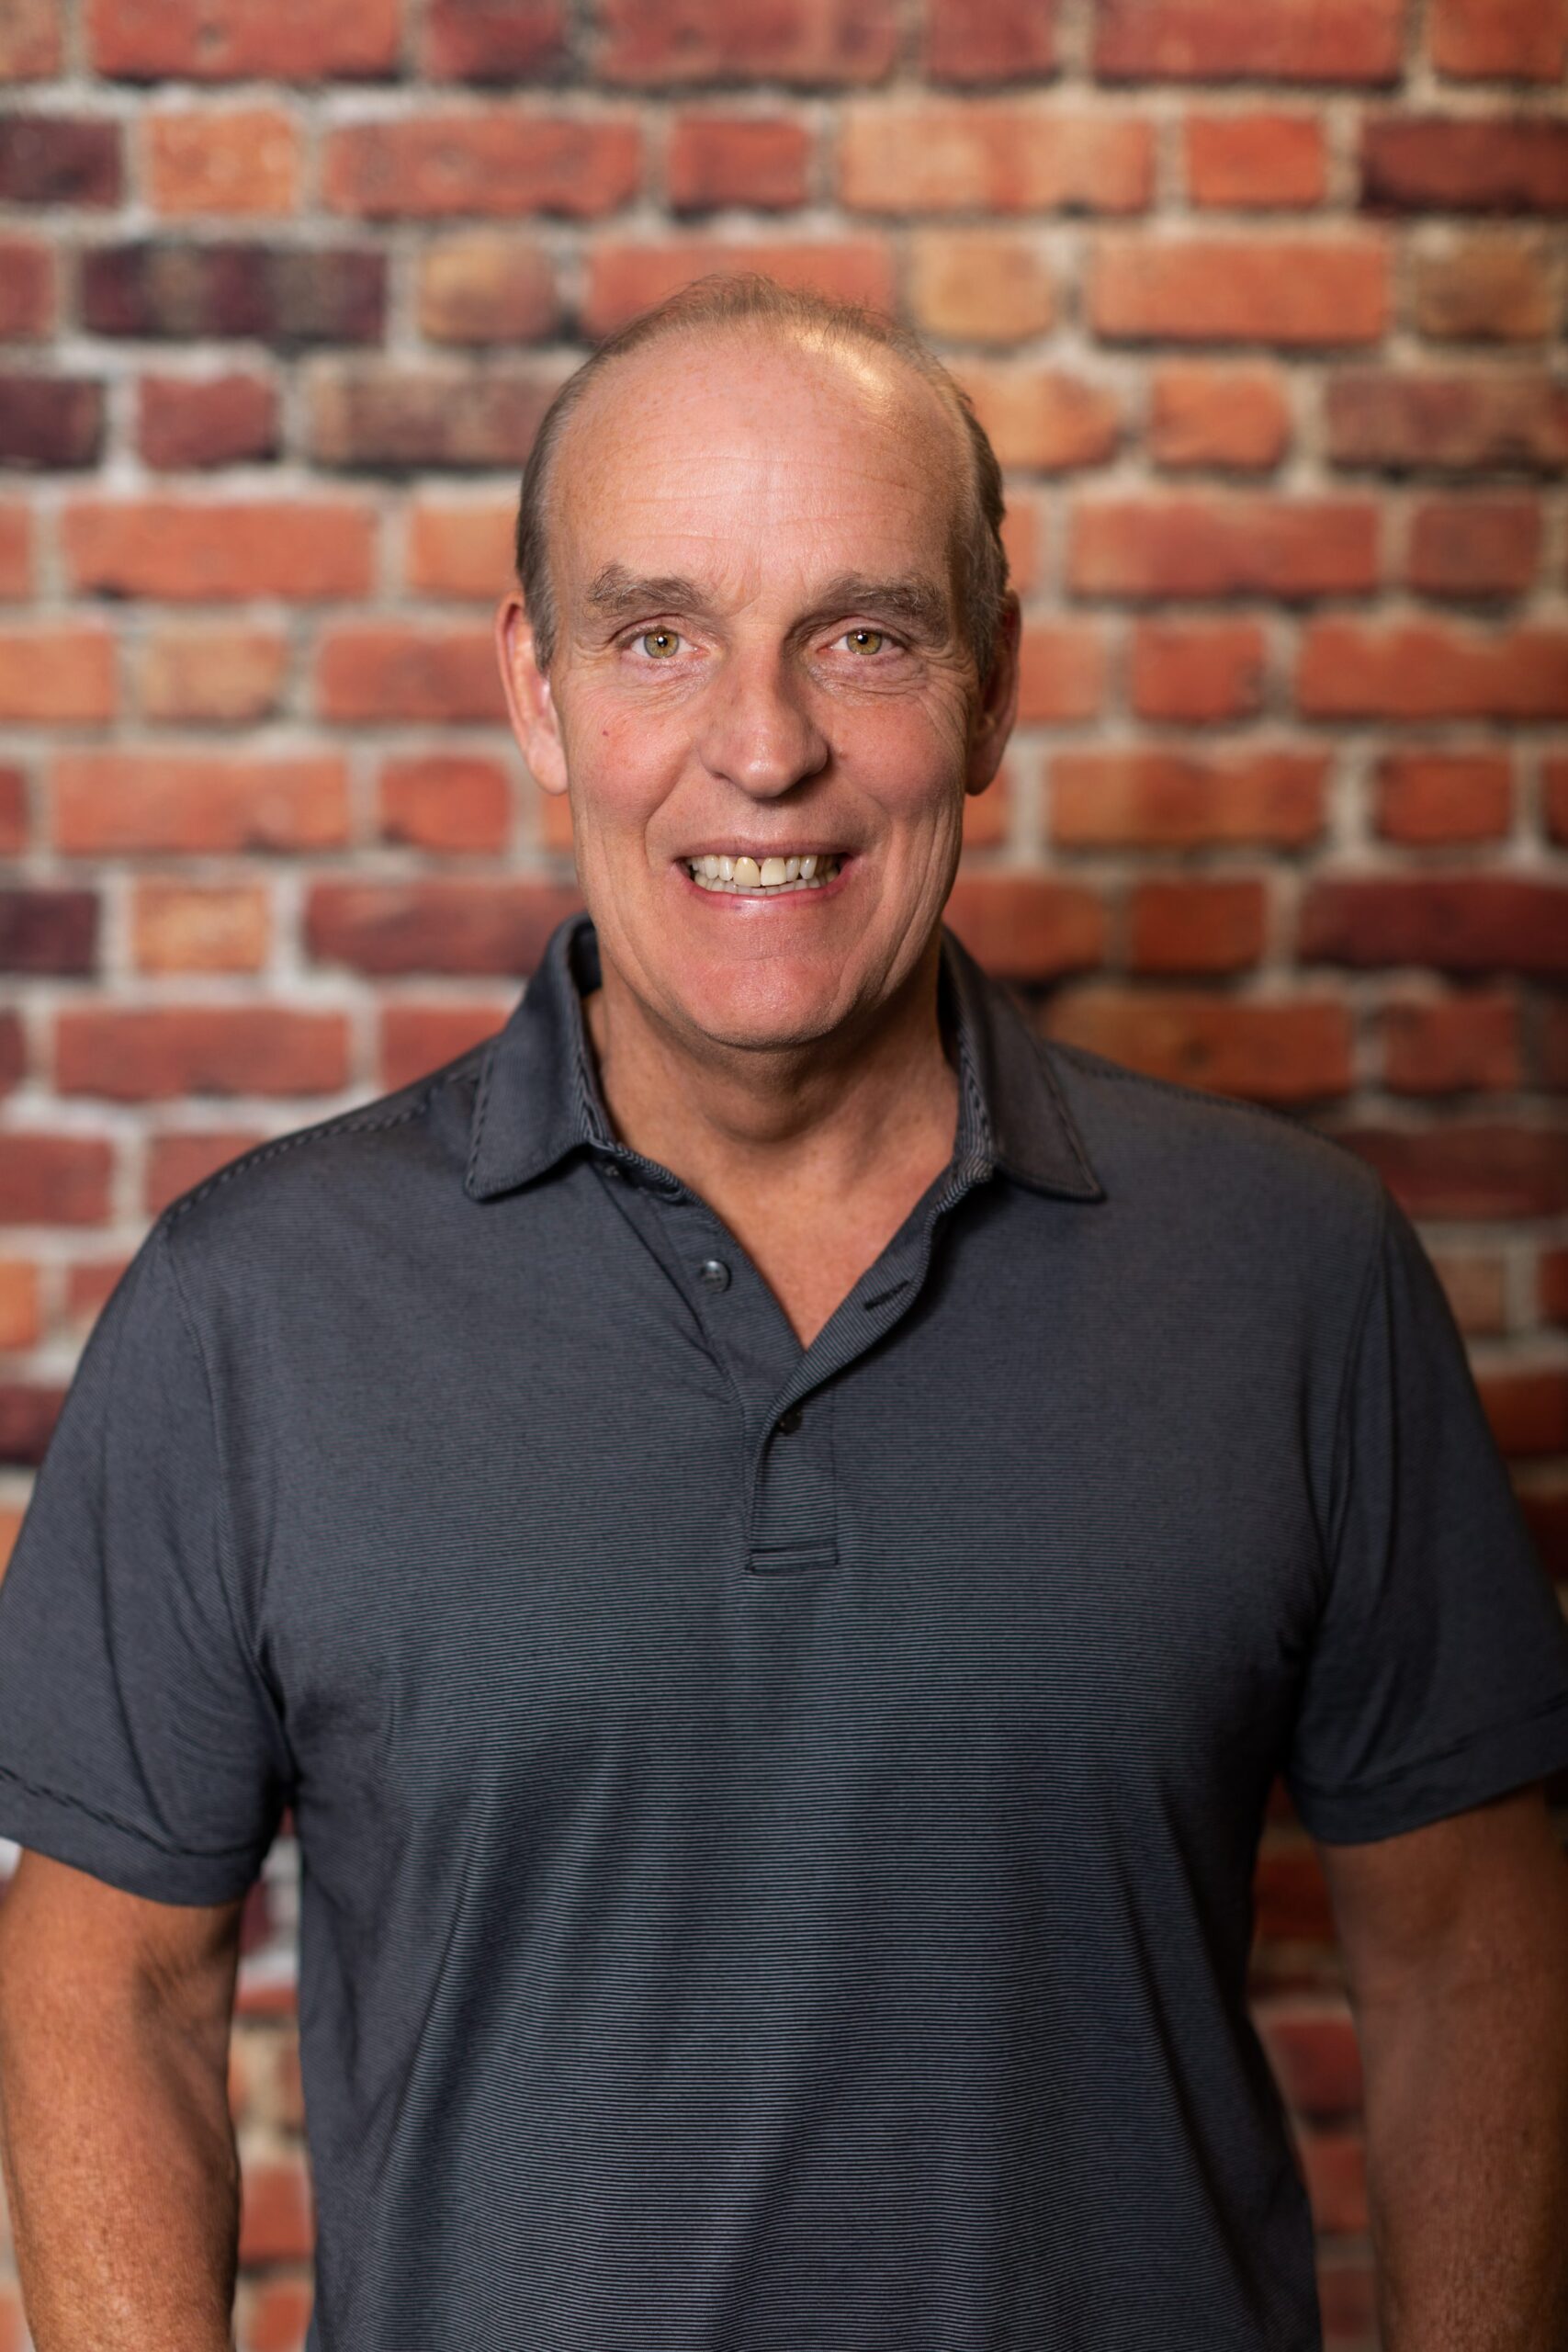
x,y
1438,1755
114,1821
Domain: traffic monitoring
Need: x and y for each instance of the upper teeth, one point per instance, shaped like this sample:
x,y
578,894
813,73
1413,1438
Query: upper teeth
x,y
769,874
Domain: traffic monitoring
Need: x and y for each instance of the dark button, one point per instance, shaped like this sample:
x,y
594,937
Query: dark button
x,y
789,1420
714,1274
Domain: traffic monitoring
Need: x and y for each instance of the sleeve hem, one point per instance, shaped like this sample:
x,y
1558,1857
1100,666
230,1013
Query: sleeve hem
x,y
1504,1757
71,1831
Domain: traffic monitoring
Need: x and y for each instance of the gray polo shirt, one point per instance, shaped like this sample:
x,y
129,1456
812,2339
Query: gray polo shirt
x,y
776,1823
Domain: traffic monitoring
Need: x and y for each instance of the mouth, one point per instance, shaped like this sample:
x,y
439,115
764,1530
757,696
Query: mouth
x,y
768,877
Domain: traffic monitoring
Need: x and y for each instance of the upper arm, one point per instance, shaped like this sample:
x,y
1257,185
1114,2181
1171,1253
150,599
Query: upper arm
x,y
1475,1896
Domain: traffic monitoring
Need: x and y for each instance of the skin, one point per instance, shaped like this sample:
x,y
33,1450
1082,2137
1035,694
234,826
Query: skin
x,y
785,1060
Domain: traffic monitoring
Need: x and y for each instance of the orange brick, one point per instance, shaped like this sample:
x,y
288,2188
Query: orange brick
x,y
1007,40
1061,672
1427,797
1484,289
718,159
420,1038
1288,1053
16,551
186,927
62,671
1296,292
391,670
487,289
446,800
1197,671
1233,417
276,2221
29,41
495,161
992,155
1431,670
979,285
232,40
245,159
1040,418
21,1322
624,280
461,548
1141,798
194,673
1255,161
1204,924
1223,547
1023,537
136,1054
1027,926
105,802
1513,39
192,552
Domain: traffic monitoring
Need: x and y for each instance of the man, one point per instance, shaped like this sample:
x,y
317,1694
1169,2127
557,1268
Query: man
x,y
775,1531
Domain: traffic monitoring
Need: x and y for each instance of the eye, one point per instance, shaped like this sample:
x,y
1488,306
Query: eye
x,y
660,644
865,641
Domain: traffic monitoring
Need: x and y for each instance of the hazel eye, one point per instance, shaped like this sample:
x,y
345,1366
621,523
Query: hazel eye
x,y
660,644
866,640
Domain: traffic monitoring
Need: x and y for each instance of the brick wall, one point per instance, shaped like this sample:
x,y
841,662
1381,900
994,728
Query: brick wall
x,y
1262,303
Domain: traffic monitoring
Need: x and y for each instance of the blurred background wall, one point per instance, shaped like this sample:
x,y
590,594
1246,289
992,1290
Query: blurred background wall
x,y
1262,303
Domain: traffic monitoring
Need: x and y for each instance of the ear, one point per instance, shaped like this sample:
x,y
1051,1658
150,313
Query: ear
x,y
996,711
529,703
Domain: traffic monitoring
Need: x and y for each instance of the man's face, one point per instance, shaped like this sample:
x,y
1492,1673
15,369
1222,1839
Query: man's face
x,y
760,655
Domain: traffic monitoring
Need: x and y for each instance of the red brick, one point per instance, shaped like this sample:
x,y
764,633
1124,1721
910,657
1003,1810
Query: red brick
x,y
13,812
495,161
1435,797
1474,1280
1235,417
717,159
1453,423
380,413
16,551
26,289
29,41
1552,1285
1489,163
51,421
979,285
183,1158
57,671
493,40
1475,546
277,2314
1528,1409
206,927
1335,2165
1430,670
1061,672
1223,547
1489,1172
992,155
142,1053
245,159
987,815
461,549
1454,1044
487,289
21,1322
1455,922
711,40
276,2222
1296,292
46,930
1204,924
1042,419
1027,926
1023,538
1554,797
1007,40
235,41
54,1180
286,295
1140,798
1523,40
425,926
1347,2294
444,800
220,421
1261,1052
1485,288
61,159
191,552
1291,1896
420,1038
1315,2055
1255,161
625,279
397,670
195,672
1195,670
104,803
29,1412
1288,40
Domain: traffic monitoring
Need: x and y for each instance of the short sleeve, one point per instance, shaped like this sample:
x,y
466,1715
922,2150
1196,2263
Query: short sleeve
x,y
1439,1674
138,1740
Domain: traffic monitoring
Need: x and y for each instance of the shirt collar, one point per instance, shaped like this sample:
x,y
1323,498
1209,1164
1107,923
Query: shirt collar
x,y
538,1095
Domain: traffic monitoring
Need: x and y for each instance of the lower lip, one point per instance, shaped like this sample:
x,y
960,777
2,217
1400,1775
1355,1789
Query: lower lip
x,y
754,902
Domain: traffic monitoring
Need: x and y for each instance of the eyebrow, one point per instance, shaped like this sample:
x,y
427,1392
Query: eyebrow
x,y
917,603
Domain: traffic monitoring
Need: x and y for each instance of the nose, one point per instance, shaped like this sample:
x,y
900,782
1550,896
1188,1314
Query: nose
x,y
758,730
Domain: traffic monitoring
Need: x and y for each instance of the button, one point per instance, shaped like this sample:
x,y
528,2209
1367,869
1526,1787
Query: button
x,y
790,1420
714,1274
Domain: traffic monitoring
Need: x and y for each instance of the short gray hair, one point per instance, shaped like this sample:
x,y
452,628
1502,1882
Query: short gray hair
x,y
722,301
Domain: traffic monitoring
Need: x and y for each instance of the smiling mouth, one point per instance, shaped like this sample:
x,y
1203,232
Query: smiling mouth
x,y
769,877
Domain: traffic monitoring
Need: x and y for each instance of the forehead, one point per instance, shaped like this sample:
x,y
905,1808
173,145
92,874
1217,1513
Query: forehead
x,y
732,452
